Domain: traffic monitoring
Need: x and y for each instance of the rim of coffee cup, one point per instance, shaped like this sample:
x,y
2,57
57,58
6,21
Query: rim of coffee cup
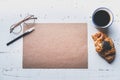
x,y
110,14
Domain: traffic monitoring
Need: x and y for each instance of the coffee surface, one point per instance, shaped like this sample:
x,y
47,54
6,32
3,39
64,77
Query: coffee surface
x,y
101,18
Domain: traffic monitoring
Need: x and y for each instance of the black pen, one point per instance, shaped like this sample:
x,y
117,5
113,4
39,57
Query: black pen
x,y
22,35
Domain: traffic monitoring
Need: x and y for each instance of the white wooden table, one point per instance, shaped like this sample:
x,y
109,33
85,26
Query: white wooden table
x,y
56,11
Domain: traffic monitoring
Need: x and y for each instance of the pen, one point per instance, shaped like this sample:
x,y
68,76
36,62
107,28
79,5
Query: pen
x,y
22,35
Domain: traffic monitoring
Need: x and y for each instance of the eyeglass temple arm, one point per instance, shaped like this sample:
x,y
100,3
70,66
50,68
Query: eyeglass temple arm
x,y
17,24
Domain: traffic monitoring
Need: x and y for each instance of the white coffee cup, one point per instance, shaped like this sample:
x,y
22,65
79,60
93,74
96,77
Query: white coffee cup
x,y
102,17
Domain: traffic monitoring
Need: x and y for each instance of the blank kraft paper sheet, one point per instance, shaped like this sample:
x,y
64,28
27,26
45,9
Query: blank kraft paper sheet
x,y
56,45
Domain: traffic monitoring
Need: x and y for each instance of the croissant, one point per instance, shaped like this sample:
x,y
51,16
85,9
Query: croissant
x,y
104,46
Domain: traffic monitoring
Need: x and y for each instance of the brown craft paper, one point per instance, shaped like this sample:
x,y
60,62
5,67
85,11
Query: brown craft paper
x,y
56,45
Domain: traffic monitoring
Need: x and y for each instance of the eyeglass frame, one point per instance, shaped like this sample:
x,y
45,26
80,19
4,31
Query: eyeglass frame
x,y
22,21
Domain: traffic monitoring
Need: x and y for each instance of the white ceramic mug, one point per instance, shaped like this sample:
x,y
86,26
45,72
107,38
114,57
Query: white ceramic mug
x,y
102,17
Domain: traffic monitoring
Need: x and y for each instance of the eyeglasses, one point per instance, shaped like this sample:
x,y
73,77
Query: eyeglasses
x,y
17,28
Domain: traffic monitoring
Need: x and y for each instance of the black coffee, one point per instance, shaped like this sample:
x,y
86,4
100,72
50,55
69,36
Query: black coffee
x,y
101,18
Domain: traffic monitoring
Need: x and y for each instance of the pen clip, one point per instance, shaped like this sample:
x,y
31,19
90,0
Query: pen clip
x,y
30,30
